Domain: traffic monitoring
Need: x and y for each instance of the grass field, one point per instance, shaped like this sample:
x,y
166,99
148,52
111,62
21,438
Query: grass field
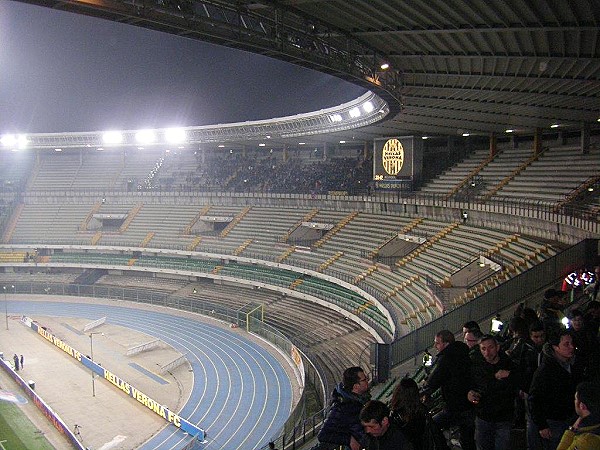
x,y
17,432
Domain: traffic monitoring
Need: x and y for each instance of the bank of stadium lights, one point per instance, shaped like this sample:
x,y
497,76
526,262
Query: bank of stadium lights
x,y
17,142
354,112
145,136
112,137
175,135
335,118
368,107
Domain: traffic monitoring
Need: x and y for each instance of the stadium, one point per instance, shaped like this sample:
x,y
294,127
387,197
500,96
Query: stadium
x,y
462,182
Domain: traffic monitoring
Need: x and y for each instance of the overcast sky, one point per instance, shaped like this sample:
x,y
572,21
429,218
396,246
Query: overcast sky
x,y
65,72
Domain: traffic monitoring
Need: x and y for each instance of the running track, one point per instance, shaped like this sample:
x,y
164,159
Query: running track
x,y
241,394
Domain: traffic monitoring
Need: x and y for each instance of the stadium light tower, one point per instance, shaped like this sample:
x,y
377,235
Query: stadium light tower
x,y
92,358
5,306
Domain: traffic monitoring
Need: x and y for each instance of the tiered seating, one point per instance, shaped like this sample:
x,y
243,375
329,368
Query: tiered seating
x,y
51,223
98,169
445,183
90,258
267,228
570,166
56,171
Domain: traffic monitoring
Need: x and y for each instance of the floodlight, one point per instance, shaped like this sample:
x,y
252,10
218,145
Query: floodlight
x,y
221,146
22,141
384,66
342,142
145,136
335,118
301,143
466,134
354,113
565,322
17,142
175,135
368,107
262,144
554,125
112,137
8,140
424,137
509,130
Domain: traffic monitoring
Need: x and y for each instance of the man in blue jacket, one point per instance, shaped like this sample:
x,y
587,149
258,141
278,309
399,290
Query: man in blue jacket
x,y
342,428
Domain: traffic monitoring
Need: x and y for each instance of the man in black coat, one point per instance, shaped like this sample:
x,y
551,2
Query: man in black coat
x,y
342,427
452,374
496,380
382,432
553,388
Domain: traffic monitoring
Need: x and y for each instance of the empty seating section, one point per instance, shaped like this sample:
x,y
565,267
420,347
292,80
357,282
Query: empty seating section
x,y
514,174
97,170
266,227
501,167
453,177
51,223
556,173
12,257
55,171
90,258
154,283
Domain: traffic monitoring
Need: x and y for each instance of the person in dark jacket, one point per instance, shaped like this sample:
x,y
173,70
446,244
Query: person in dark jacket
x,y
410,414
553,388
342,427
496,382
382,432
452,374
533,359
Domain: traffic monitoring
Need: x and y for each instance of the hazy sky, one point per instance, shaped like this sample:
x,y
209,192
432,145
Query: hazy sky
x,y
65,72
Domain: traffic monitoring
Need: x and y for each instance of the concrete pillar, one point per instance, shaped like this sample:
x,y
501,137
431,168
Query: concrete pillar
x,y
585,138
537,141
493,144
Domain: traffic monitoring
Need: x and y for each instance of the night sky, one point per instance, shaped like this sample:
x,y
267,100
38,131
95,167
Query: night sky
x,y
65,72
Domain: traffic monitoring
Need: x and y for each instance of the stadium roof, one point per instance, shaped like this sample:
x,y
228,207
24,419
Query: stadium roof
x,y
454,67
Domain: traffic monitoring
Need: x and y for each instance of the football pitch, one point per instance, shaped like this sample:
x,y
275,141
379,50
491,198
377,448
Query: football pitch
x,y
17,431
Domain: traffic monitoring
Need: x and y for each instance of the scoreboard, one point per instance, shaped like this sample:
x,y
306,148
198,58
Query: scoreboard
x,y
397,162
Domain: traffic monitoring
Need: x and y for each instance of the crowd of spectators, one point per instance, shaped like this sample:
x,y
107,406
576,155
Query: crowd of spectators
x,y
230,172
523,377
539,374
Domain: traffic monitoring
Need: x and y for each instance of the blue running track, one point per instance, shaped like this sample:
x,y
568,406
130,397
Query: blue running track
x,y
241,395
